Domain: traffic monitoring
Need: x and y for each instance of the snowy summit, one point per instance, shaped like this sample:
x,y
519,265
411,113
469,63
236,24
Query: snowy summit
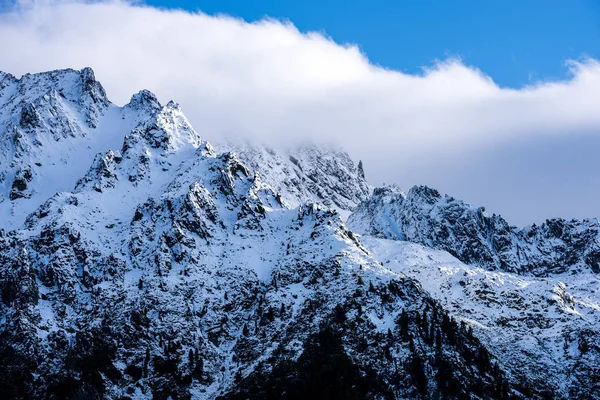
x,y
139,261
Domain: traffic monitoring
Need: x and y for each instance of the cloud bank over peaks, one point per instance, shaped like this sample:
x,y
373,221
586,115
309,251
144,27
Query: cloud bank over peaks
x,y
270,82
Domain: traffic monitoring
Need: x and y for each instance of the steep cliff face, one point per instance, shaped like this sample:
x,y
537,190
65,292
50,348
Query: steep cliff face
x,y
443,222
309,172
170,270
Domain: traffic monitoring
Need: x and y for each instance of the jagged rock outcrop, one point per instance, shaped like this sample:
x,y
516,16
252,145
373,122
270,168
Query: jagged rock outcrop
x,y
424,216
52,125
309,172
525,291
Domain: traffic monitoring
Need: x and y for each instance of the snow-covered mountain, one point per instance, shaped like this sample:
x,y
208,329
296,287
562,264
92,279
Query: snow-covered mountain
x,y
138,261
424,216
532,294
308,172
51,125
544,329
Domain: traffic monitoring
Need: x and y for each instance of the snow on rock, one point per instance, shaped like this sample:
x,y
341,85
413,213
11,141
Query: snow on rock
x,y
171,270
531,294
544,329
424,216
52,125
308,172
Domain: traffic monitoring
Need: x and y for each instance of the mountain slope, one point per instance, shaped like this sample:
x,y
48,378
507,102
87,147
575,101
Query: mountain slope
x,y
530,294
545,329
443,222
169,270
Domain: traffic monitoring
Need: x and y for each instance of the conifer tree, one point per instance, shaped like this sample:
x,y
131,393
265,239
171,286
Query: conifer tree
x,y
191,359
424,323
417,370
340,314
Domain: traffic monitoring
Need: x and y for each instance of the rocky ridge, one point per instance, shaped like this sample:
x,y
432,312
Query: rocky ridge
x,y
321,173
175,269
51,126
426,217
171,270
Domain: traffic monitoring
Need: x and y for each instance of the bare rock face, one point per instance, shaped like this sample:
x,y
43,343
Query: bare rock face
x,y
20,184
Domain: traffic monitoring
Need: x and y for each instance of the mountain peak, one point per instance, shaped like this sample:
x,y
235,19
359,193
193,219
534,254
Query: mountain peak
x,y
171,130
73,85
52,125
388,190
424,192
306,172
144,100
6,79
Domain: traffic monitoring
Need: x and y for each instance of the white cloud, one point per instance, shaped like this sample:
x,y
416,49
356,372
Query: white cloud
x,y
267,80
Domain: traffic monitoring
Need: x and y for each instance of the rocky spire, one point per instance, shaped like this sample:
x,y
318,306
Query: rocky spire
x,y
361,171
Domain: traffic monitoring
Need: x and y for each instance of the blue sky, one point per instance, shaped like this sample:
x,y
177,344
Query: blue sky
x,y
515,42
